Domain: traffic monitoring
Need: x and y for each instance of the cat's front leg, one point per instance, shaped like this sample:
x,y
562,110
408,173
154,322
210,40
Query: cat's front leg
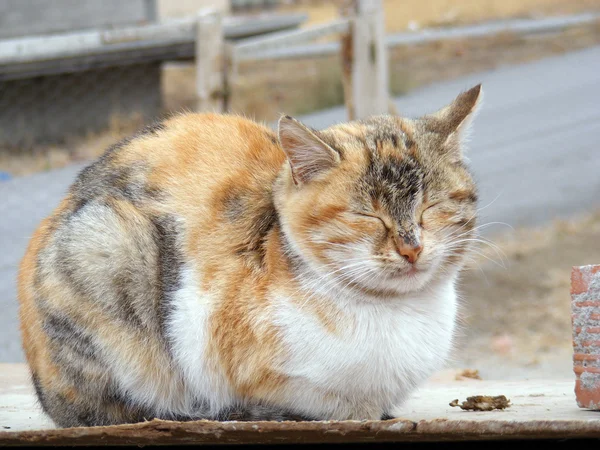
x,y
368,412
257,412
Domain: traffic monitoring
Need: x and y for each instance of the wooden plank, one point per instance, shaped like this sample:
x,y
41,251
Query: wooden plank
x,y
279,40
209,62
365,60
243,27
517,26
92,42
178,44
370,84
348,9
164,49
539,409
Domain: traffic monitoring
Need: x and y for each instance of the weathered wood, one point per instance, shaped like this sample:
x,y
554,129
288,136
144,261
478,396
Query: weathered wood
x,y
365,66
229,73
169,41
517,26
282,39
543,409
347,9
209,61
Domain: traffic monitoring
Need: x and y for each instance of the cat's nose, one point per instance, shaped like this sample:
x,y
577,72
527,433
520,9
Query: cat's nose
x,y
410,252
409,247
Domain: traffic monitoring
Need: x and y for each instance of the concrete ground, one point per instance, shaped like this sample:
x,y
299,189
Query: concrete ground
x,y
536,408
533,150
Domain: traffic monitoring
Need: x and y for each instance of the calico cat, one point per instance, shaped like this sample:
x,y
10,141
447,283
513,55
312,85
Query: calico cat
x,y
208,268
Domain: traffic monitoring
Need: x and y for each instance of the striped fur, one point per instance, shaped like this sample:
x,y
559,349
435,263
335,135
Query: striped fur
x,y
208,268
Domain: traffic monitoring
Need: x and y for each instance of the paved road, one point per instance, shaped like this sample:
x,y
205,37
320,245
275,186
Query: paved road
x,y
534,151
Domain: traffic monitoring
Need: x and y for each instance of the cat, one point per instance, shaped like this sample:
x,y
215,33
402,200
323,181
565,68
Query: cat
x,y
210,268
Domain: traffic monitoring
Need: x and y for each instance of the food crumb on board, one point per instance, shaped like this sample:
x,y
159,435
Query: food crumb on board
x,y
482,403
468,373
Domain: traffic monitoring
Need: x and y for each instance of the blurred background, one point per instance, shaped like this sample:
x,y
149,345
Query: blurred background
x,y
78,75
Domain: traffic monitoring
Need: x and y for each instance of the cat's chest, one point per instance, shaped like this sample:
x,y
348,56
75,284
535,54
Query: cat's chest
x,y
380,349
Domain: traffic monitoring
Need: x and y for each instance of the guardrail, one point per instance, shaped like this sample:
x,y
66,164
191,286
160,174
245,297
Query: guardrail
x,y
363,52
173,39
219,44
251,47
517,26
362,46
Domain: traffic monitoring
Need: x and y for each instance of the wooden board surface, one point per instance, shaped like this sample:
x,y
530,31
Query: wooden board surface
x,y
539,410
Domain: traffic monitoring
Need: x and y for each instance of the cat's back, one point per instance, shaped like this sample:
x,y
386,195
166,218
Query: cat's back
x,y
188,155
100,269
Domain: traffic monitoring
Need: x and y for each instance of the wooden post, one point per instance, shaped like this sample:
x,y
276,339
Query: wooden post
x,y
230,71
365,60
210,49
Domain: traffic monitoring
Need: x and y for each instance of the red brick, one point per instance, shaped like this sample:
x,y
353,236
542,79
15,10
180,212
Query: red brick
x,y
587,330
581,277
582,304
585,305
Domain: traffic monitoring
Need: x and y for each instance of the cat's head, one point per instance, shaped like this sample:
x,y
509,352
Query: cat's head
x,y
383,205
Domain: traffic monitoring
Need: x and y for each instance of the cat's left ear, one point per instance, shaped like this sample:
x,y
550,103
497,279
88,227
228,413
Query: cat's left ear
x,y
453,122
309,156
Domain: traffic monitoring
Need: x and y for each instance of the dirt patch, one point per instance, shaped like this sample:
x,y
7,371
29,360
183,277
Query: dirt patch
x,y
468,373
482,403
39,158
516,317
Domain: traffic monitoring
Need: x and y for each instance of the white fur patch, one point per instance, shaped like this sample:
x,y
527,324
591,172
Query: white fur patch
x,y
188,329
371,367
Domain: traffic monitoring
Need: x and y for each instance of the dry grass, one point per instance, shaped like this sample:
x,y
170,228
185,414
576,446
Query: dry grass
x,y
40,158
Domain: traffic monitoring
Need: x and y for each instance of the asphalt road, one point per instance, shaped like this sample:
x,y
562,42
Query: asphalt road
x,y
534,152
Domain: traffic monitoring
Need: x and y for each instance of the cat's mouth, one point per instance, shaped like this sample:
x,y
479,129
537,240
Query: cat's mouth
x,y
412,271
406,272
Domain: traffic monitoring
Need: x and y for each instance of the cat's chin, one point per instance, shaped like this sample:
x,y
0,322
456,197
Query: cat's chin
x,y
407,273
413,272
400,282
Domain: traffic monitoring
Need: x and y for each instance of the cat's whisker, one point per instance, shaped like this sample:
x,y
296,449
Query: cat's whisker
x,y
483,255
489,204
475,229
499,252
327,278
353,280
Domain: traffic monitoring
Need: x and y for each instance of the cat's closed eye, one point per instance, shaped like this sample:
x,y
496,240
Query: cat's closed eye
x,y
441,213
431,210
375,218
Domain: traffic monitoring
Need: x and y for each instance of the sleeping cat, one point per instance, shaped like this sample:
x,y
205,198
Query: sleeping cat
x,y
208,268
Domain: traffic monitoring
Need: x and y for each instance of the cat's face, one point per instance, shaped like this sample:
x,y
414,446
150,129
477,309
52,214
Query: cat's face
x,y
382,206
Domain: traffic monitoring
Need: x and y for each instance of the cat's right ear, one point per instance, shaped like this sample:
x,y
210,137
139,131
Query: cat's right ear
x,y
453,122
306,152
